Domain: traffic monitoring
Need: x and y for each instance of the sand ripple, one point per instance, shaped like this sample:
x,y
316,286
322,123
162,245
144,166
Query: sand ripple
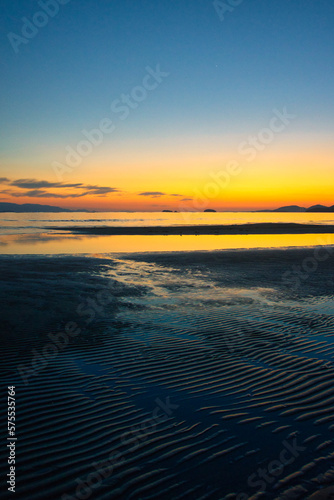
x,y
248,371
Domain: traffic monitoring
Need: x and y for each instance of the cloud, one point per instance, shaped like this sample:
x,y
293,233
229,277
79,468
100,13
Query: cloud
x,y
33,188
33,184
186,199
41,193
156,194
152,193
100,190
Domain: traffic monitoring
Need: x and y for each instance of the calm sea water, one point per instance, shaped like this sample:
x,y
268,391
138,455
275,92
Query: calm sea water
x,y
33,233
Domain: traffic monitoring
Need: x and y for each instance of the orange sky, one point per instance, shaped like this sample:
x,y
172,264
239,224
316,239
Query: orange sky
x,y
189,174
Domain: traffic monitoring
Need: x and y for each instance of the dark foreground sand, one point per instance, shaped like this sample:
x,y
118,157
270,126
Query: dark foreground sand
x,y
260,228
205,375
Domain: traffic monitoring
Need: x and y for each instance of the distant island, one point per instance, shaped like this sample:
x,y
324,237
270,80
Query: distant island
x,y
34,207
207,210
296,208
28,207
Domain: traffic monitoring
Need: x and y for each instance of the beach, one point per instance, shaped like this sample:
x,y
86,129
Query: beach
x,y
202,375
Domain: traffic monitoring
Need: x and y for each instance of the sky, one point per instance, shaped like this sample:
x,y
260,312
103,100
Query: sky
x,y
150,104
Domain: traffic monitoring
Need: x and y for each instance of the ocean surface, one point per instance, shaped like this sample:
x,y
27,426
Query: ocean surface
x,y
40,233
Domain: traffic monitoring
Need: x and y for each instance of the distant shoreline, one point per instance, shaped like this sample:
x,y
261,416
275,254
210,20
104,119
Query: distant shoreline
x,y
237,229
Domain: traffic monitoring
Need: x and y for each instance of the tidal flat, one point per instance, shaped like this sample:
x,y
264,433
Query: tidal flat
x,y
200,375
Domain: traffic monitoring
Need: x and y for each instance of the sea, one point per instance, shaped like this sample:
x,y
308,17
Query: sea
x,y
45,233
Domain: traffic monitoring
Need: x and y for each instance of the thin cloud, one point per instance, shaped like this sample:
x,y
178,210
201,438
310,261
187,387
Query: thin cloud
x,y
41,193
152,193
156,194
34,184
100,190
33,188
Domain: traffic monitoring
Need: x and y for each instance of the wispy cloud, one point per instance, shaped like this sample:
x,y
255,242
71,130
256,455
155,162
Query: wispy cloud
x,y
32,188
152,193
100,190
34,184
156,194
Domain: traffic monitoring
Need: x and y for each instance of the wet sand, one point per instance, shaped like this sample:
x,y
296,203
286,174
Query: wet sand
x,y
197,375
260,228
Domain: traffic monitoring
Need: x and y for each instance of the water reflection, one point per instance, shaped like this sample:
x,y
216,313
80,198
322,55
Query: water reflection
x,y
46,243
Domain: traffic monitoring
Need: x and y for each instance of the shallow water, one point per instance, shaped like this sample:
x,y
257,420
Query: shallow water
x,y
27,233
57,244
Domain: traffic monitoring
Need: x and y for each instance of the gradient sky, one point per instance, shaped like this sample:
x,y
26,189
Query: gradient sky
x,y
225,79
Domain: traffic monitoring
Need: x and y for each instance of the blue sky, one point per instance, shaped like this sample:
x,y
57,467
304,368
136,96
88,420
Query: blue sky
x,y
221,72
225,77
